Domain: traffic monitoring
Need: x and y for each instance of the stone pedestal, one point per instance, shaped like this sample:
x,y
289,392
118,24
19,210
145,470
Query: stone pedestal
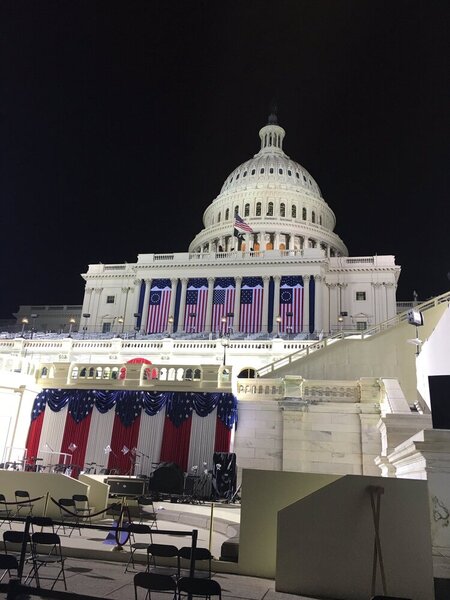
x,y
426,455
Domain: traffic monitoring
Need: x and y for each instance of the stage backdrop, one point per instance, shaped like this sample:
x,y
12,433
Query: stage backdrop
x,y
131,430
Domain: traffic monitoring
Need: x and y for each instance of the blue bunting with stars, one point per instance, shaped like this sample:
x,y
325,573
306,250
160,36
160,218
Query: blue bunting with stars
x,y
130,403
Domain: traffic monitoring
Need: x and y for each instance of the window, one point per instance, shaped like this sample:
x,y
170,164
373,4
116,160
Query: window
x,y
219,217
246,210
360,295
236,210
304,178
270,209
110,299
237,176
261,170
313,217
106,327
280,171
245,174
253,171
289,172
227,214
271,170
297,175
304,215
282,209
361,325
293,211
258,209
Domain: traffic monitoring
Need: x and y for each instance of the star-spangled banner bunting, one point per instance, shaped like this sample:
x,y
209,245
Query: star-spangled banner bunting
x,y
129,404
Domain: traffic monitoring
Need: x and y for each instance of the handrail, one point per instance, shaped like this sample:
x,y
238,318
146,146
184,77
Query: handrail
x,y
376,329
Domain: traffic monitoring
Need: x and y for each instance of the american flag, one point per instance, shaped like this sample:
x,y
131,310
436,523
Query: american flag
x,y
239,223
223,304
251,304
196,301
291,304
158,310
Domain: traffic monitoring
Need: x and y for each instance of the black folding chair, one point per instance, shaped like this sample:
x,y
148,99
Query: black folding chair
x,y
17,539
155,551
84,510
24,506
50,542
8,562
200,554
152,582
140,529
69,515
5,512
41,523
190,587
147,511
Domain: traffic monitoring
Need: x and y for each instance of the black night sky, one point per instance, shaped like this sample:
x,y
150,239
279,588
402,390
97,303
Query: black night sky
x,y
119,122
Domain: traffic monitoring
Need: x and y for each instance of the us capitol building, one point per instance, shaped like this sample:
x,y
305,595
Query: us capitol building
x,y
265,305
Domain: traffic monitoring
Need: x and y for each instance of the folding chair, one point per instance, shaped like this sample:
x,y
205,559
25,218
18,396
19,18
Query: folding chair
x,y
82,507
147,515
200,554
54,557
24,506
155,551
135,528
69,516
200,588
41,522
8,562
17,538
5,512
156,583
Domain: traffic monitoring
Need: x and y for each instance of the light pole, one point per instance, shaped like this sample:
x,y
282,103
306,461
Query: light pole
x,y
86,316
33,316
71,324
169,325
225,343
24,322
279,321
223,321
341,322
121,322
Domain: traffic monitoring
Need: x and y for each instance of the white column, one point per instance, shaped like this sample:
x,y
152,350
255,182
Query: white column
x,y
237,303
173,296
276,300
94,324
306,304
318,304
180,326
265,310
326,308
148,285
209,304
137,291
333,305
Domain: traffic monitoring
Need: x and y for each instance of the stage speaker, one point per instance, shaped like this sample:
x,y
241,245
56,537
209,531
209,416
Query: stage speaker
x,y
168,478
126,487
224,475
440,400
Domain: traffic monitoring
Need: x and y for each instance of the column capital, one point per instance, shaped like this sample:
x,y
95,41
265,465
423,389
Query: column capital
x,y
306,277
98,290
266,278
147,281
125,290
318,277
184,280
211,280
277,278
136,281
238,278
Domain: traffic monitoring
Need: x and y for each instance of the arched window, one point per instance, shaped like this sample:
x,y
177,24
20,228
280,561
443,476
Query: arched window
x,y
180,373
74,373
171,376
44,372
247,374
122,373
320,219
227,214
282,209
91,372
293,211
83,372
236,210
197,374
188,374
163,374
98,373
304,215
218,217
246,210
106,373
114,373
258,209
270,209
313,217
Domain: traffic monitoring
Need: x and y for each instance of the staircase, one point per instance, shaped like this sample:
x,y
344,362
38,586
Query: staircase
x,y
342,335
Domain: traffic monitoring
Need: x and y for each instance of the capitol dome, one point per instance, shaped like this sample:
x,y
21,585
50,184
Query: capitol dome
x,y
277,198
